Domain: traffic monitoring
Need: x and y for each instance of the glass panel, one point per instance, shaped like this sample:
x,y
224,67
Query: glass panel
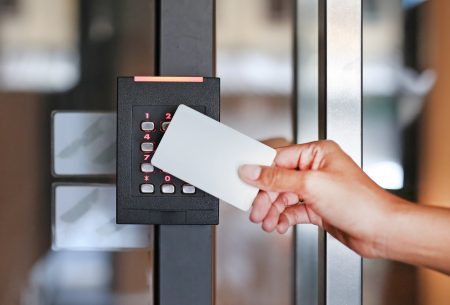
x,y
83,143
65,56
84,218
255,67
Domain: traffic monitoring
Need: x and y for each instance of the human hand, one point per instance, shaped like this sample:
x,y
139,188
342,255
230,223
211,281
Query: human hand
x,y
319,183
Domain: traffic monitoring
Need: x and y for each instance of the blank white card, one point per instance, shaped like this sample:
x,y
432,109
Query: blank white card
x,y
207,154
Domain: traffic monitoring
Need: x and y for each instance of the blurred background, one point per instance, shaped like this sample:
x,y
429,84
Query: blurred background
x,y
65,55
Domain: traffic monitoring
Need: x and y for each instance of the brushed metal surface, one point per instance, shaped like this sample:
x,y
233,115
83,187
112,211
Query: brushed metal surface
x,y
343,100
328,100
306,77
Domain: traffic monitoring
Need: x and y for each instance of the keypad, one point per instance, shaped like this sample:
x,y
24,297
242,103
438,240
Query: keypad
x,y
149,126
145,194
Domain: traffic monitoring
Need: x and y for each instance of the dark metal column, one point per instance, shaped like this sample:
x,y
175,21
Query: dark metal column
x,y
184,255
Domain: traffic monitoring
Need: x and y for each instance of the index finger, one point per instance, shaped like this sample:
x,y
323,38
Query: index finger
x,y
295,156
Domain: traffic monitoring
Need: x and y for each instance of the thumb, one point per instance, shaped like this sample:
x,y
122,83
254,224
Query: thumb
x,y
274,179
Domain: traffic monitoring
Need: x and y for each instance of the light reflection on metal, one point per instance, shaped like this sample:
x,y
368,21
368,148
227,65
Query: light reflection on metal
x,y
340,99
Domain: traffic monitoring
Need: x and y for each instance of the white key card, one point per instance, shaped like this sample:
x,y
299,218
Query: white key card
x,y
207,154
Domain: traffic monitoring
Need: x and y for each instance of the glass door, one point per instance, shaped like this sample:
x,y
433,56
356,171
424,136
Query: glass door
x,y
58,69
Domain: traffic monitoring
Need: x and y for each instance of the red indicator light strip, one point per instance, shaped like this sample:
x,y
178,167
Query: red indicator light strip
x,y
169,79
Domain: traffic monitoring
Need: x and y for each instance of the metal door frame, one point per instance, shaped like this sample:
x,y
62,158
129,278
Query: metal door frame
x,y
326,271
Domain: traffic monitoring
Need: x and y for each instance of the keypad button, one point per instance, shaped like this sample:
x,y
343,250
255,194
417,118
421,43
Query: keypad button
x,y
188,189
148,126
147,188
168,188
147,147
147,168
165,125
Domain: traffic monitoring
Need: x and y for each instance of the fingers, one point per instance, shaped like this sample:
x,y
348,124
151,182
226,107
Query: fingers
x,y
270,219
264,201
303,156
292,216
261,205
275,179
291,156
281,212
298,214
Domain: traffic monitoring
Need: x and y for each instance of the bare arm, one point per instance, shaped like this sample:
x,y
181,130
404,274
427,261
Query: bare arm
x,y
338,196
419,235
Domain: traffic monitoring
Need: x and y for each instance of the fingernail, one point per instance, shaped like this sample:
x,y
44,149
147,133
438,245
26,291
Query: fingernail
x,y
250,172
281,228
255,217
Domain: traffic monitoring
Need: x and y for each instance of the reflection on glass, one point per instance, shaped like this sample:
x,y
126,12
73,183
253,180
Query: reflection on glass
x,y
84,143
84,218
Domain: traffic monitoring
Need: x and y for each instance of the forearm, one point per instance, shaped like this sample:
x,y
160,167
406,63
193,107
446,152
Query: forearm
x,y
419,235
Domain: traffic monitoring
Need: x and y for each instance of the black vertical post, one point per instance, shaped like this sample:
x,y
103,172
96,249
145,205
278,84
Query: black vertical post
x,y
184,254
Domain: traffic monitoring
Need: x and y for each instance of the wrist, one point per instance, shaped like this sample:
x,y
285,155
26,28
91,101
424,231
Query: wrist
x,y
390,211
